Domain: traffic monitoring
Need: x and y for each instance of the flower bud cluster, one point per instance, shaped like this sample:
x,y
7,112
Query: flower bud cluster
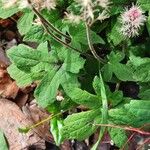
x,y
132,20
38,4
90,11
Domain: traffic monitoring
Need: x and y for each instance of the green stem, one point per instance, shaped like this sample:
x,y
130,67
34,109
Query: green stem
x,y
103,129
27,129
124,47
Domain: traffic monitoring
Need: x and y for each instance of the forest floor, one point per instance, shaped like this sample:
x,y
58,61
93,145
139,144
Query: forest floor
x,y
19,109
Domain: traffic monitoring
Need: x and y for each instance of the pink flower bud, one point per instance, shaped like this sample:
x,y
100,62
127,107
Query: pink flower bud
x,y
132,20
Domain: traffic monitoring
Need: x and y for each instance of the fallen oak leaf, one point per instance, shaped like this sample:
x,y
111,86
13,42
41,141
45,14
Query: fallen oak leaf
x,y
8,87
11,90
12,118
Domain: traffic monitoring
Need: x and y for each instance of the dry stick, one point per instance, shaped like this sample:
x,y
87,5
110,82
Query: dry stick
x,y
48,23
127,141
125,128
91,46
147,140
132,136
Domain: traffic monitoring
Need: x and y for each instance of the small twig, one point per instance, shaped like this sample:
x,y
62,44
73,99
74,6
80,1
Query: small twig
x,y
128,141
139,147
91,46
123,147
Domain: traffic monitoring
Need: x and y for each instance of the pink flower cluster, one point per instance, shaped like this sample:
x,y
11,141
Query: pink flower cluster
x,y
132,20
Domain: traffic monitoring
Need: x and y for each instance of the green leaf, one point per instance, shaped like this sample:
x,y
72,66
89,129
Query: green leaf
x,y
3,143
148,23
84,98
36,34
56,126
118,136
101,88
144,4
141,67
135,113
115,98
116,57
53,16
46,92
79,39
122,71
80,125
107,72
65,75
21,77
25,22
97,85
7,12
114,35
43,47
26,57
25,70
145,94
72,60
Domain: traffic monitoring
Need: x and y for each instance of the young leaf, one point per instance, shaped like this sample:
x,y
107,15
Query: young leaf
x,y
115,98
72,60
107,72
122,72
56,126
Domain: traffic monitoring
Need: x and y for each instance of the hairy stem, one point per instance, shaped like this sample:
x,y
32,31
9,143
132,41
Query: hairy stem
x,y
47,22
58,39
91,46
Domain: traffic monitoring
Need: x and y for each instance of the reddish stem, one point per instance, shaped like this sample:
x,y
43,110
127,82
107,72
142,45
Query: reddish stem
x,y
125,128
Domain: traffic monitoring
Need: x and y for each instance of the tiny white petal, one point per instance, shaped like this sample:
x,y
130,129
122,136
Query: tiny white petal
x,y
59,98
